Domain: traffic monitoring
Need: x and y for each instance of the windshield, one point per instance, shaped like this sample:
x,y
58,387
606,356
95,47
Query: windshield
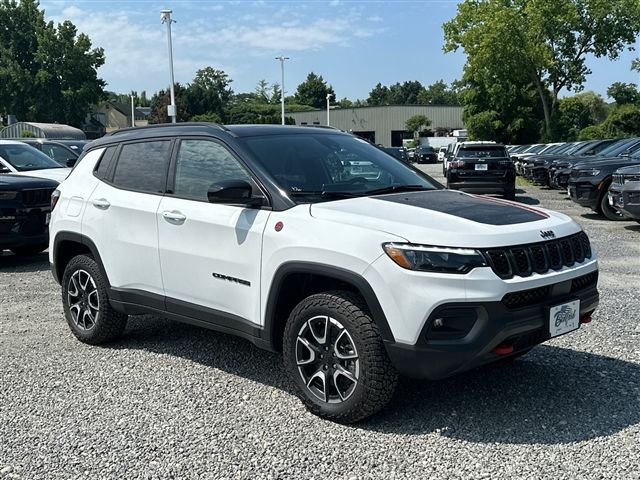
x,y
482,152
315,167
620,147
535,148
25,158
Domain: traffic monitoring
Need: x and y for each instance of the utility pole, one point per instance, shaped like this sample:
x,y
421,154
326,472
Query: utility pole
x,y
165,15
329,95
133,113
282,58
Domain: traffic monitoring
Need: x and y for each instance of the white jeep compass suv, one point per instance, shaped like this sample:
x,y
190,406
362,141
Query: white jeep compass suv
x,y
271,233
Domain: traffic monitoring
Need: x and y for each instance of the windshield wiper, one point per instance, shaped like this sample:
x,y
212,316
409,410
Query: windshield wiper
x,y
396,188
325,193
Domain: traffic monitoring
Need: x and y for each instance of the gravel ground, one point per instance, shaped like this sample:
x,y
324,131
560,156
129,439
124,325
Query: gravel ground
x,y
175,401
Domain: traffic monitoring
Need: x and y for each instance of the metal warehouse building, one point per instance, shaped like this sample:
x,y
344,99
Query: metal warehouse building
x,y
383,125
53,131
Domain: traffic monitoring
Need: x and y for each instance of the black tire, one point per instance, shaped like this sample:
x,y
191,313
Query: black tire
x,y
376,377
608,211
510,194
102,323
30,249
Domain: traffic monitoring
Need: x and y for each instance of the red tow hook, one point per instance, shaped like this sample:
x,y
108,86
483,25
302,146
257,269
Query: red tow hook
x,y
503,349
585,318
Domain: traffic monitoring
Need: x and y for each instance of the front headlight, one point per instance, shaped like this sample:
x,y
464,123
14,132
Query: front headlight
x,y
8,195
434,259
592,172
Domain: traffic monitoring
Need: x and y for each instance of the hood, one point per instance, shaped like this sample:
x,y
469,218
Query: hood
x,y
57,174
629,170
13,181
613,163
447,218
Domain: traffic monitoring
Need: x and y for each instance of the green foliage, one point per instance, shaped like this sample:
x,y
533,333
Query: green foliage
x,y
578,112
624,93
417,123
139,99
27,134
543,42
313,91
623,121
47,73
209,92
484,125
592,132
439,93
210,117
162,99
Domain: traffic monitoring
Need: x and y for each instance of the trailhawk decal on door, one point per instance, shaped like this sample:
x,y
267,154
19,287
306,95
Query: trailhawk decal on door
x,y
231,279
490,211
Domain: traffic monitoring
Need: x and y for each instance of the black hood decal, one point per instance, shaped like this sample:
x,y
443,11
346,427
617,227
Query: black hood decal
x,y
488,210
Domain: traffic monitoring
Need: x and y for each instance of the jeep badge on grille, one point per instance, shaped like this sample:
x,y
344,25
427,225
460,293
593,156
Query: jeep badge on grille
x,y
547,234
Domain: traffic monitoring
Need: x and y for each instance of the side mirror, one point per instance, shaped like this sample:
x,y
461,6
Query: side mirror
x,y
626,153
71,162
233,191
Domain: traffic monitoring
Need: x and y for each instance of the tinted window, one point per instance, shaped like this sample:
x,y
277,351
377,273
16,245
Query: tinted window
x,y
103,170
143,166
201,163
58,153
482,152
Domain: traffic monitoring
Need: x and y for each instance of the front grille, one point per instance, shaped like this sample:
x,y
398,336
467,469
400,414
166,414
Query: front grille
x,y
40,196
536,296
635,177
524,260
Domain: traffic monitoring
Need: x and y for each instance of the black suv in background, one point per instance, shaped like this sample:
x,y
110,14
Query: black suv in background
x,y
25,208
65,155
589,183
398,152
425,154
482,168
624,192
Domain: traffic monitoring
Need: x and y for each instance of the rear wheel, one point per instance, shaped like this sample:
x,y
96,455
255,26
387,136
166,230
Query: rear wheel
x,y
335,356
510,194
86,303
30,249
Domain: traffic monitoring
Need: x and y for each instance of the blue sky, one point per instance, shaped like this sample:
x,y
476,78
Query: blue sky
x,y
352,44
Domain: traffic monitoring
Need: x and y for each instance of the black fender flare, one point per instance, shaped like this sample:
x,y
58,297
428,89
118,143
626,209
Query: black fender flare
x,y
79,239
341,274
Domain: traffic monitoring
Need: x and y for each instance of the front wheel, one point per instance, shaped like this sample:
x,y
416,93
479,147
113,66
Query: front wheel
x,y
608,211
334,354
89,314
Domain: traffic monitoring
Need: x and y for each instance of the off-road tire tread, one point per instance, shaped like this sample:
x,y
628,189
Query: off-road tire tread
x,y
379,379
605,209
110,324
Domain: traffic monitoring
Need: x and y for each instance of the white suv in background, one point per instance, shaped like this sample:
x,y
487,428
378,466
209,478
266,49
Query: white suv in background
x,y
267,232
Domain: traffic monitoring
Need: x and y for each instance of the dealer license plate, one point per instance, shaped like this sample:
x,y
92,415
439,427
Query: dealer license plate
x,y
47,218
482,166
564,318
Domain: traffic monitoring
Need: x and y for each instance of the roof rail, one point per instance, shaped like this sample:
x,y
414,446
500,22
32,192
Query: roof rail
x,y
166,125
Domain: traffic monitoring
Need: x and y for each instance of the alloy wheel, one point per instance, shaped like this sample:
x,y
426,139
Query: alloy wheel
x,y
83,300
327,359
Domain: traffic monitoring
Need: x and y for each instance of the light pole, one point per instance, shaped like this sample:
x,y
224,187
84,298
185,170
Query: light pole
x,y
329,95
282,58
133,113
165,15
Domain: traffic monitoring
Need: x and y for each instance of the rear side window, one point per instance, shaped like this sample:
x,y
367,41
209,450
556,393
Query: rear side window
x,y
104,169
143,166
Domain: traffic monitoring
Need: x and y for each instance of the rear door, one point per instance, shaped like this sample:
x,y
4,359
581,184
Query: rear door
x,y
210,254
121,215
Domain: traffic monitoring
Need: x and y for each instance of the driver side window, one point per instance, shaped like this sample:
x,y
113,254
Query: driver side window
x,y
201,163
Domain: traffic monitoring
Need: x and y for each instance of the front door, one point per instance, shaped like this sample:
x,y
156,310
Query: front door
x,y
210,254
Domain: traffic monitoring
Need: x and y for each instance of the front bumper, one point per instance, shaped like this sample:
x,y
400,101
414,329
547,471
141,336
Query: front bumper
x,y
584,193
496,325
626,199
23,227
473,182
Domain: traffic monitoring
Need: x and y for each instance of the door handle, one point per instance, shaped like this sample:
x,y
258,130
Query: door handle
x,y
174,217
101,203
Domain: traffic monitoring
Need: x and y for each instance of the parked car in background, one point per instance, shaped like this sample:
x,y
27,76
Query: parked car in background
x,y
398,152
482,168
17,157
452,150
426,154
25,208
624,192
59,152
589,183
441,153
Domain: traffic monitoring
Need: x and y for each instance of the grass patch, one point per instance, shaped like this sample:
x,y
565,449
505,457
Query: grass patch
x,y
523,182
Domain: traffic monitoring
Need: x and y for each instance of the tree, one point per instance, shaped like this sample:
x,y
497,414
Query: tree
x,y
545,41
417,124
313,91
623,121
209,92
162,99
624,93
578,112
379,95
439,93
47,73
